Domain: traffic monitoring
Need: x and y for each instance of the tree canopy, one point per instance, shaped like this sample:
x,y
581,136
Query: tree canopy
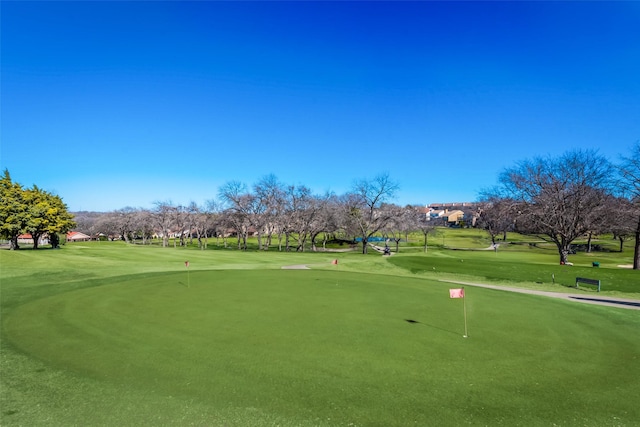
x,y
33,210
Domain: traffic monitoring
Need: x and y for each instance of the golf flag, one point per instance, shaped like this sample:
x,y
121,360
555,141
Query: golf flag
x,y
456,293
186,263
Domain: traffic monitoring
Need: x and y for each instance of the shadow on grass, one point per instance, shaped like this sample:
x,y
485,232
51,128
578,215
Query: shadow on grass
x,y
416,322
609,301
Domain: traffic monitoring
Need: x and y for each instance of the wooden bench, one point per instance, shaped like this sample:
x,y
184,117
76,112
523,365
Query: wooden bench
x,y
593,282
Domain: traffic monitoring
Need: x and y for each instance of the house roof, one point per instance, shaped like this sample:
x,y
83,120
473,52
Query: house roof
x,y
75,235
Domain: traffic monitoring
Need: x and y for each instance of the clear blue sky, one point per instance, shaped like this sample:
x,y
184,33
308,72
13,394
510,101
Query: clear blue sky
x,y
115,104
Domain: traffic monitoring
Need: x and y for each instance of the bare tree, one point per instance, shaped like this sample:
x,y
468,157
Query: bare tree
x,y
88,222
125,221
364,206
321,219
306,207
556,199
179,217
239,209
162,216
269,194
421,221
402,221
624,222
143,225
630,185
495,216
203,221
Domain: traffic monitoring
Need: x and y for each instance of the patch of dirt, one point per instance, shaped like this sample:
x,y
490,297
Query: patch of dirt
x,y
626,266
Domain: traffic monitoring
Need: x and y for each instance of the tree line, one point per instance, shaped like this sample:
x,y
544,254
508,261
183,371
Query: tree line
x,y
558,199
289,217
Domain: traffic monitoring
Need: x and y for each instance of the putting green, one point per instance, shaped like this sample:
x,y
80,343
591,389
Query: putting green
x,y
337,347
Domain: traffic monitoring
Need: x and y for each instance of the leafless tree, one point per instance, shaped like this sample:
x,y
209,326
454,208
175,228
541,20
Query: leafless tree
x,y
268,206
420,220
179,218
239,211
204,221
495,216
364,206
330,216
163,217
107,224
630,186
88,222
557,198
402,222
322,219
307,221
125,221
624,223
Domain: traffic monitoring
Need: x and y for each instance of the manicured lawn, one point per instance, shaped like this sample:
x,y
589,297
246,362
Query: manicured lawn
x,y
528,268
109,334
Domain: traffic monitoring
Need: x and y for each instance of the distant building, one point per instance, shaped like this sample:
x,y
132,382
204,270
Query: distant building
x,y
454,213
76,236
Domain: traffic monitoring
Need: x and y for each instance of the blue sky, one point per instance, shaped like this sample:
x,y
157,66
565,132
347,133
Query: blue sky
x,y
115,104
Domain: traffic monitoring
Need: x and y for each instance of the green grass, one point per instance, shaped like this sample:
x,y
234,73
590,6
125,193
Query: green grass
x,y
525,269
110,334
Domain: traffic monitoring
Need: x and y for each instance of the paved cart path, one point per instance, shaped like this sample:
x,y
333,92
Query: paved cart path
x,y
632,304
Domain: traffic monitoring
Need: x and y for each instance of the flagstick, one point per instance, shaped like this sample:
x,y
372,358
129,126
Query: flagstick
x,y
186,264
464,309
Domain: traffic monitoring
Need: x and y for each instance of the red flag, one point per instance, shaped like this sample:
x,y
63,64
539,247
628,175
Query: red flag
x,y
456,293
186,263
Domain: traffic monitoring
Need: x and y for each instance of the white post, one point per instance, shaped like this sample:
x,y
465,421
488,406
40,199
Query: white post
x,y
464,309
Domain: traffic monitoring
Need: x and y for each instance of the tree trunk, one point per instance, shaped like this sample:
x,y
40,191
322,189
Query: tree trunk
x,y
36,240
636,250
425,243
54,239
364,245
302,238
269,238
314,236
589,243
14,243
